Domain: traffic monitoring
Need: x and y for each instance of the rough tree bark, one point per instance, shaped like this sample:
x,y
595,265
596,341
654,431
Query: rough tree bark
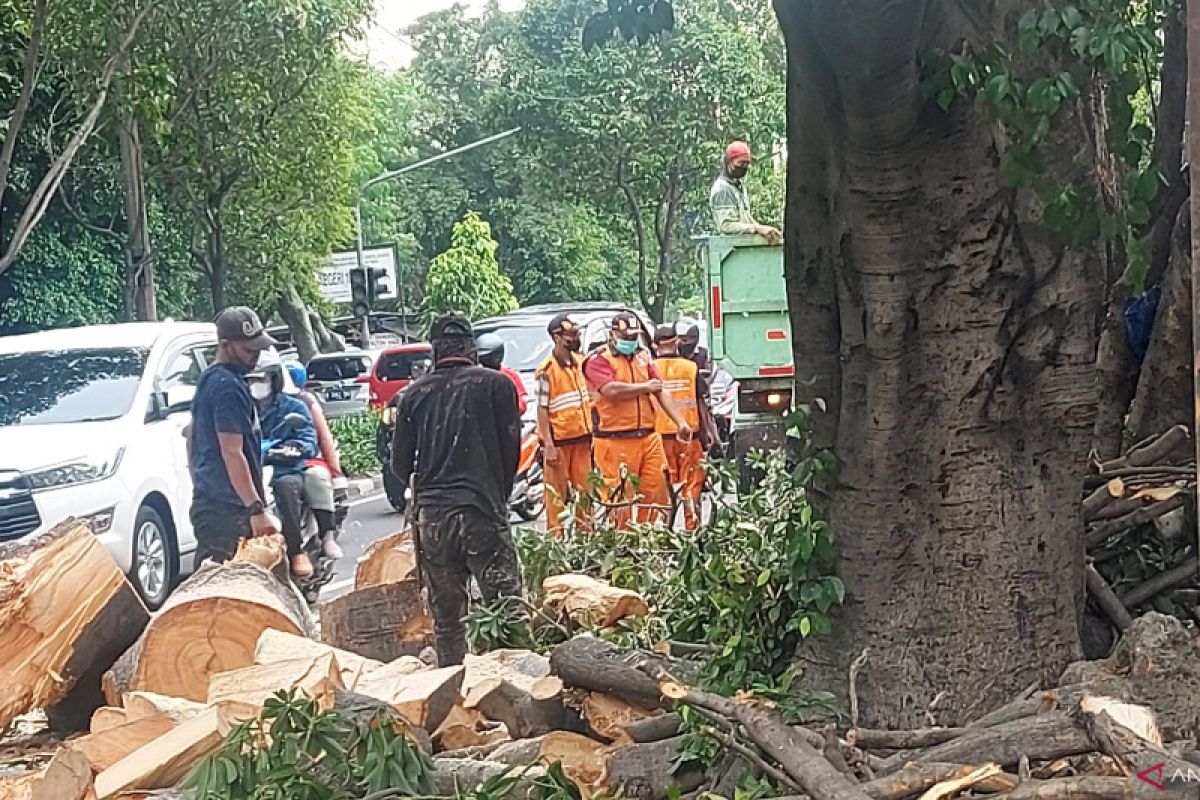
x,y
295,313
140,301
953,339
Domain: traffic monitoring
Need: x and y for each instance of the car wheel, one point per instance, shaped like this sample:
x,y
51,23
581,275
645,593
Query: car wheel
x,y
153,557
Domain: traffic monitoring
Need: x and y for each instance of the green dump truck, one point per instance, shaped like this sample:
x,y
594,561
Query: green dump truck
x,y
750,335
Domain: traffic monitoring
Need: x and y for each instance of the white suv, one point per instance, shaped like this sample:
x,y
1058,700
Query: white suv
x,y
91,427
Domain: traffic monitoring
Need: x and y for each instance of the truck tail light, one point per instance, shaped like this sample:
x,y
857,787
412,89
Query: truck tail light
x,y
776,336
776,372
716,306
765,401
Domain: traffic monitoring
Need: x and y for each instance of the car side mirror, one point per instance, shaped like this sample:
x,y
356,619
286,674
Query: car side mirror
x,y
179,398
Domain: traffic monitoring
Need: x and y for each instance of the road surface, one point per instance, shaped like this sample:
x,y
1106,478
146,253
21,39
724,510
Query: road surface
x,y
370,518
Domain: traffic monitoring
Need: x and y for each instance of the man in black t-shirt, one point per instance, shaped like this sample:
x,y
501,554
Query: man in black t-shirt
x,y
225,461
459,432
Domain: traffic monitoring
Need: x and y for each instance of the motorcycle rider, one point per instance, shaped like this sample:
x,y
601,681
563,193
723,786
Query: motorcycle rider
x,y
490,349
564,420
288,457
324,486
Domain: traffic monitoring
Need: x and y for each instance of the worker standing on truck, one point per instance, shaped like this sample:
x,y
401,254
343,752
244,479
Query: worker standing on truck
x,y
624,387
728,199
564,423
689,391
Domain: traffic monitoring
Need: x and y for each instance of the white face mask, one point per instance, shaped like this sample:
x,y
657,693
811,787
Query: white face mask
x,y
260,390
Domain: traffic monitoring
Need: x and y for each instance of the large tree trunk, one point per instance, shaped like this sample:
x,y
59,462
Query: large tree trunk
x,y
140,301
1164,396
953,340
295,314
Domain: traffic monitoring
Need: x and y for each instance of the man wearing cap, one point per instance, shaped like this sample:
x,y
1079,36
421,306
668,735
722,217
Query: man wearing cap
x,y
626,393
564,421
688,390
458,434
728,199
224,461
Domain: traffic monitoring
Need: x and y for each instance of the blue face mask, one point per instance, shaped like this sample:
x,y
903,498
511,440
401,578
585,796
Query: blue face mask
x,y
626,347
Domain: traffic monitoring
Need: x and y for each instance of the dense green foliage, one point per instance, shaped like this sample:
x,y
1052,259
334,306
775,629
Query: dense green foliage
x,y
355,435
466,277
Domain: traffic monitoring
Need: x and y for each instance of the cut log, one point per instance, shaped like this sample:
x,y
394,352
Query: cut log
x,y
917,778
66,613
515,687
1044,736
454,777
108,747
951,787
467,727
586,662
1160,583
1073,788
149,704
106,717
590,602
608,717
1129,734
424,698
164,762
1097,535
654,729
1154,451
68,776
381,622
643,771
391,559
869,739
364,709
244,691
583,760
276,646
211,624
1106,598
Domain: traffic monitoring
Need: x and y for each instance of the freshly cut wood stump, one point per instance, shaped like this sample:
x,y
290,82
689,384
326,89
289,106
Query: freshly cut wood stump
x,y
242,692
583,759
107,717
66,613
467,727
381,622
274,646
589,601
389,560
108,747
608,716
165,761
211,624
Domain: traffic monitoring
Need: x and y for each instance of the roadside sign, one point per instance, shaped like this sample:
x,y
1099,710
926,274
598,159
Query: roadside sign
x,y
335,274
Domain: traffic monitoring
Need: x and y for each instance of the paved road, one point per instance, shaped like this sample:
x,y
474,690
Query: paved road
x,y
370,518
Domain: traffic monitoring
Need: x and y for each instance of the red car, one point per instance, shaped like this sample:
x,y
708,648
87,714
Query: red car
x,y
396,368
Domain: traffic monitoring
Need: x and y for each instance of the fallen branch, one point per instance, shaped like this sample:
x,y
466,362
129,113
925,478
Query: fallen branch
x,y
1106,598
916,778
1161,582
1099,534
1091,787
1150,452
804,764
871,739
731,743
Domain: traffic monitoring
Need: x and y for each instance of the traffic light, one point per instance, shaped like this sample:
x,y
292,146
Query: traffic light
x,y
360,300
376,284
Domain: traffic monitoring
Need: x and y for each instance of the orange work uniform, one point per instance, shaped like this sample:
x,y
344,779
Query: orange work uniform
x,y
624,436
562,391
681,380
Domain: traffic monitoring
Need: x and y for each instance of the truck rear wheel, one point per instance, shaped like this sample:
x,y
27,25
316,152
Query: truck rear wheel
x,y
755,437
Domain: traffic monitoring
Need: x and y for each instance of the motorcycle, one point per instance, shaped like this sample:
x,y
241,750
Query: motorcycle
x,y
275,450
722,402
392,487
528,498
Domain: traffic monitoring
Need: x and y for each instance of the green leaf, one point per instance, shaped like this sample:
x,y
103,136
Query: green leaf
x,y
1138,213
1145,185
805,626
945,98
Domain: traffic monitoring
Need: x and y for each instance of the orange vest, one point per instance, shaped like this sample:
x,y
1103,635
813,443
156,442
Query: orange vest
x,y
570,406
679,377
624,416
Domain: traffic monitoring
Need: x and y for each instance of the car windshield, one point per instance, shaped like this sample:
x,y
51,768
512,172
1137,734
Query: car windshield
x,y
400,366
525,346
60,386
336,369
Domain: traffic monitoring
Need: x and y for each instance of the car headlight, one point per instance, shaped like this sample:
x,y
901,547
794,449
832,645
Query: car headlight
x,y
388,417
84,470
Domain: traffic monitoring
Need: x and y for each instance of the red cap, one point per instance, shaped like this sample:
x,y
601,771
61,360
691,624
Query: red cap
x,y
737,149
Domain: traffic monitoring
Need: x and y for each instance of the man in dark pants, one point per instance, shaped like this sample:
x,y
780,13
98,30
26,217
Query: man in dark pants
x,y
227,490
458,431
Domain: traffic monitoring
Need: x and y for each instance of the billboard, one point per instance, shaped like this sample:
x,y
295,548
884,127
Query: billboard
x,y
335,274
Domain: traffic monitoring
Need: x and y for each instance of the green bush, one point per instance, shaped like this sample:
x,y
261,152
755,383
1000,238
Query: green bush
x,y
355,436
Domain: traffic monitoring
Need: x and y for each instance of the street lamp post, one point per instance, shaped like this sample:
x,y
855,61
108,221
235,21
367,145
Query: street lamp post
x,y
387,176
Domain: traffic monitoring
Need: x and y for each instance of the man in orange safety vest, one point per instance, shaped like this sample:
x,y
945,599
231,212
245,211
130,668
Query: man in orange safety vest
x,y
564,420
683,382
